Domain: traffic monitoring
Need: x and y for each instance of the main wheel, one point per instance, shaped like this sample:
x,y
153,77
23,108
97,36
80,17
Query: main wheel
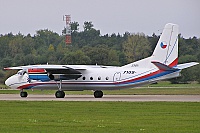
x,y
60,94
98,94
23,94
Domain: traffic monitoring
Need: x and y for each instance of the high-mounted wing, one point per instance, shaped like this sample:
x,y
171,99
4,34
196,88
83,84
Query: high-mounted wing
x,y
64,71
76,67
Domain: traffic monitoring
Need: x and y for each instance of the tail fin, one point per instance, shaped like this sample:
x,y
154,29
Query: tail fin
x,y
166,50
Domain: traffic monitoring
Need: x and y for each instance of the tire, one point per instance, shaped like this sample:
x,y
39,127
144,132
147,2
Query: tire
x,y
98,94
60,94
23,94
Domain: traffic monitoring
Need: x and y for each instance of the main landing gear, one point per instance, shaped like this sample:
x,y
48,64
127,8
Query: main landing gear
x,y
60,93
98,94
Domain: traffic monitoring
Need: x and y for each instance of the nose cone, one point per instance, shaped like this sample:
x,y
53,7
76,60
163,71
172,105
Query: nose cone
x,y
8,81
11,82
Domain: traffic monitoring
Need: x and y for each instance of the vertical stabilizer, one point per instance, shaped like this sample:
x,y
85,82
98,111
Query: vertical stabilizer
x,y
166,50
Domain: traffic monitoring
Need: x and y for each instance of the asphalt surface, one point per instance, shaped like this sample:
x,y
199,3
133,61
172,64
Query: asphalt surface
x,y
128,98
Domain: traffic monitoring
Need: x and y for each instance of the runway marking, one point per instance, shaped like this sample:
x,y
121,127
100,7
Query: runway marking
x,y
128,98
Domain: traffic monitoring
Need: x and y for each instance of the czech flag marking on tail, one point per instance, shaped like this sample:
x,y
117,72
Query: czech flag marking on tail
x,y
163,45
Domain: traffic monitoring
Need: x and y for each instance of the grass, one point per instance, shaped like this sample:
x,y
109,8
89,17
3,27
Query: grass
x,y
24,116
4,86
162,88
137,117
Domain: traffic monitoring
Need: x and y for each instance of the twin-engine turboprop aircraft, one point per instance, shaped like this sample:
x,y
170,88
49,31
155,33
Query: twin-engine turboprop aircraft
x,y
162,64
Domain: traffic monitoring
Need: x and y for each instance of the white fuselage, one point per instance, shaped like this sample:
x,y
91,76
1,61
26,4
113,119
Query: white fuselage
x,y
95,79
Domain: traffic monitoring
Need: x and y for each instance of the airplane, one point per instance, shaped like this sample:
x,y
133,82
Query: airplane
x,y
161,65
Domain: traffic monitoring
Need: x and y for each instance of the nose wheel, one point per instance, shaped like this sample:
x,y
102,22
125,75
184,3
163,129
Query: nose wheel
x,y
23,94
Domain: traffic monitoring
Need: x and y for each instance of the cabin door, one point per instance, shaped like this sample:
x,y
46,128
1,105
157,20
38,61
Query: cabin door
x,y
117,77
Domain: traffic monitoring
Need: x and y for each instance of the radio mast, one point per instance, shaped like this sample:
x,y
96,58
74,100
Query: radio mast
x,y
67,18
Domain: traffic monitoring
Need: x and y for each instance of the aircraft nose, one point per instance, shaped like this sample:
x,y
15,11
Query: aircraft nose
x,y
7,82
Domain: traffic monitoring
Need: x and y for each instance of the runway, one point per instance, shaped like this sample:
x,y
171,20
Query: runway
x,y
128,98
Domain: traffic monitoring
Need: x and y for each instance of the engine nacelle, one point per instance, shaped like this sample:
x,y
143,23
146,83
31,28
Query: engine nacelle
x,y
51,76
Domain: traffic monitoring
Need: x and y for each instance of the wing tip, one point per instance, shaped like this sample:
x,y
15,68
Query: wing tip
x,y
6,68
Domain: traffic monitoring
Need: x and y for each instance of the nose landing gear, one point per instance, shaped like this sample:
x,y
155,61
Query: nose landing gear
x,y
23,94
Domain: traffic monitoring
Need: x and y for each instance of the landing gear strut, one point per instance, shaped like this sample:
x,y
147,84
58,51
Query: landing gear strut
x,y
98,94
23,94
60,93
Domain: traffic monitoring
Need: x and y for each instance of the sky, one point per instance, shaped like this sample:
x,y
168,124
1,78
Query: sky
x,y
108,16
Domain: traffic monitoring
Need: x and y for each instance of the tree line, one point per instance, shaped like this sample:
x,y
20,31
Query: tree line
x,y
90,47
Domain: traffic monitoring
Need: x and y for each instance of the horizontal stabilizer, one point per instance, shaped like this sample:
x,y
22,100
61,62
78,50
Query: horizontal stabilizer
x,y
186,65
163,66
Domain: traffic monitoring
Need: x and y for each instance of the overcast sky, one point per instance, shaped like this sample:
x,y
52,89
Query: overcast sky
x,y
109,16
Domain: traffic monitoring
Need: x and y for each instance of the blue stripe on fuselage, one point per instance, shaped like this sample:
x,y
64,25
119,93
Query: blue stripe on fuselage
x,y
39,77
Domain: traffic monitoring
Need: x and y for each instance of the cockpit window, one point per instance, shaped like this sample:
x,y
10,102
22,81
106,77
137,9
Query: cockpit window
x,y
21,72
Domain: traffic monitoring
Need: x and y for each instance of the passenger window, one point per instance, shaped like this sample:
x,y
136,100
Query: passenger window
x,y
83,78
91,78
99,78
107,78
